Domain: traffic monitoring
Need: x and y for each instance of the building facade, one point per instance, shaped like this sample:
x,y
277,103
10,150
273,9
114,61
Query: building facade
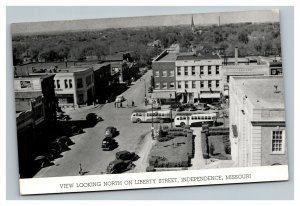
x,y
198,78
75,86
164,77
257,121
32,85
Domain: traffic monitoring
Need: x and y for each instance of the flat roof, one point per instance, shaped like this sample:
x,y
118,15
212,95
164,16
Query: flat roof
x,y
27,94
198,57
261,90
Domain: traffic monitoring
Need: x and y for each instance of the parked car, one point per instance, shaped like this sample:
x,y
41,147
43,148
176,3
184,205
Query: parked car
x,y
120,98
64,140
108,144
125,155
202,106
110,131
41,161
118,166
179,109
192,108
76,130
93,118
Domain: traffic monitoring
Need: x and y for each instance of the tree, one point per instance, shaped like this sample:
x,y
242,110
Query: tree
x,y
243,37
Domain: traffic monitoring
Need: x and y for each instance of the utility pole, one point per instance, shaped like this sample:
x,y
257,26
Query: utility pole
x,y
152,127
171,113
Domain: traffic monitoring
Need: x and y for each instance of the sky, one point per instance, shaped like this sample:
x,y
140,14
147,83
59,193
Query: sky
x,y
127,22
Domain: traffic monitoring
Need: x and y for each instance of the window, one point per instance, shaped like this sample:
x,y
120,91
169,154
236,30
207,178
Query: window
x,y
217,69
193,70
179,85
172,85
217,83
80,98
278,141
201,70
178,71
273,72
209,83
186,84
58,84
66,83
209,70
70,83
88,80
157,85
165,85
186,72
79,83
201,84
54,84
171,73
193,84
156,73
164,74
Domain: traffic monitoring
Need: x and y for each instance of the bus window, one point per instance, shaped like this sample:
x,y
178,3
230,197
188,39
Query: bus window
x,y
133,115
177,118
205,117
192,118
202,117
209,117
199,117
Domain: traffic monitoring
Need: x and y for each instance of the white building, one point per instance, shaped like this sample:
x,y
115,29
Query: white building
x,y
257,121
74,86
198,78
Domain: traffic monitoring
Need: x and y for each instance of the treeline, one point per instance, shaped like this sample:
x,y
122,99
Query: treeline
x,y
252,39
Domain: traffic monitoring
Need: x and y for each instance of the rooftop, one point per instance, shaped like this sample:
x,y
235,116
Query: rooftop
x,y
170,57
27,95
261,91
200,56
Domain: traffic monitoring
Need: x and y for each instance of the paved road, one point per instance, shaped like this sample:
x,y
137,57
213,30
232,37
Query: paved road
x,y
197,162
87,148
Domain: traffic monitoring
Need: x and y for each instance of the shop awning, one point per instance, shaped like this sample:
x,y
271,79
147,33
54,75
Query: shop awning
x,y
210,95
163,94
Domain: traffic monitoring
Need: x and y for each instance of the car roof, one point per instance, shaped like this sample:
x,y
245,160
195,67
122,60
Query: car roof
x,y
109,127
122,152
116,162
107,138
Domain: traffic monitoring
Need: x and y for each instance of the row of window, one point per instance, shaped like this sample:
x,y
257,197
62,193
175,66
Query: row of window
x,y
165,74
192,70
68,83
186,71
186,85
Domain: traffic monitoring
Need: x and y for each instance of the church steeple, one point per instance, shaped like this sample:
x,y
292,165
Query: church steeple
x,y
193,25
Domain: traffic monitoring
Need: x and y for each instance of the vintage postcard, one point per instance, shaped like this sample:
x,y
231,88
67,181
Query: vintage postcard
x,y
145,102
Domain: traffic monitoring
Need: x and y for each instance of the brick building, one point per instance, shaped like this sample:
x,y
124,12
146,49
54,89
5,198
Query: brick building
x,y
163,68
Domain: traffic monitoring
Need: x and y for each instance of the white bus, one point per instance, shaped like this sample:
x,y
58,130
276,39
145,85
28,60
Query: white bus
x,y
145,115
183,118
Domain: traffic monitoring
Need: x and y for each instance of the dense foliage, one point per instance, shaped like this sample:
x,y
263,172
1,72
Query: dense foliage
x,y
250,38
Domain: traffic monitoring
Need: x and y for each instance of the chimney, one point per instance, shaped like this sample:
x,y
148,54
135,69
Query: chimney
x,y
236,55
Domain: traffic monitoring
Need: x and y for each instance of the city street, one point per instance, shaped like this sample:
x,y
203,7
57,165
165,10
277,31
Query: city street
x,y
87,148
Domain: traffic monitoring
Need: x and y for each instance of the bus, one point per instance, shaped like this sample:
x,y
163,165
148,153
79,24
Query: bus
x,y
145,115
183,118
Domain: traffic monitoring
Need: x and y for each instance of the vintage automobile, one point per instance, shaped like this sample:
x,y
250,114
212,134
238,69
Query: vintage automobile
x,y
108,144
93,118
125,155
120,98
110,131
119,166
64,140
42,161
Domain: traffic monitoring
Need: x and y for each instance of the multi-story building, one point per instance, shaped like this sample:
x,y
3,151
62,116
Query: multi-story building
x,y
198,77
274,64
33,85
163,68
240,70
257,121
74,86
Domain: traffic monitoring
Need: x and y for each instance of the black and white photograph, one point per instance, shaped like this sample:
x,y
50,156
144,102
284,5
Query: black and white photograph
x,y
149,96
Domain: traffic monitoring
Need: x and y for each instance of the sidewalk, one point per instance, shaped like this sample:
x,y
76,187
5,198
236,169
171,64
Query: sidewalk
x,y
197,162
70,109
